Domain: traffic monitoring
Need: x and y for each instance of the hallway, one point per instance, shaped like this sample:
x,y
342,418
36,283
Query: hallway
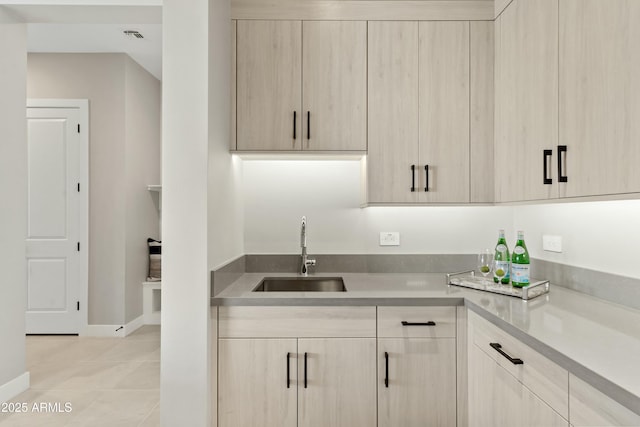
x,y
105,381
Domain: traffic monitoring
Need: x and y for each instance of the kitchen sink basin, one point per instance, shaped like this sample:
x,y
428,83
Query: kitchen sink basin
x,y
301,284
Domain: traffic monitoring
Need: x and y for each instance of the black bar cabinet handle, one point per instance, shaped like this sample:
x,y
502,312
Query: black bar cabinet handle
x,y
413,178
386,369
288,364
429,323
308,124
545,157
305,370
295,120
561,176
426,182
497,347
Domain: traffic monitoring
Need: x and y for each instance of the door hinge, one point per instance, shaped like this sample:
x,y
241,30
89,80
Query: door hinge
x,y
78,187
78,305
78,246
78,128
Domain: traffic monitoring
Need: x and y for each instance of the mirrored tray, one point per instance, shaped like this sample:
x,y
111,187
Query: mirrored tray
x,y
468,279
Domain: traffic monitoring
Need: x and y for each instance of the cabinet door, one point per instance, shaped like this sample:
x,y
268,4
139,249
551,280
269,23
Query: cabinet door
x,y
334,69
416,382
252,383
269,80
496,398
393,112
444,111
599,103
340,386
526,100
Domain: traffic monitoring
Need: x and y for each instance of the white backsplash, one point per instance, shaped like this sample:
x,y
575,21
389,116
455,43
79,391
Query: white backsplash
x,y
278,193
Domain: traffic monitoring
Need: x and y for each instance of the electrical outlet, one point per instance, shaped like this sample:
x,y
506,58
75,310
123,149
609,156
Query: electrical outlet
x,y
552,243
389,238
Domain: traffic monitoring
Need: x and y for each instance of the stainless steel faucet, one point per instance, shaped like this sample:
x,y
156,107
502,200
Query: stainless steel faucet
x,y
304,271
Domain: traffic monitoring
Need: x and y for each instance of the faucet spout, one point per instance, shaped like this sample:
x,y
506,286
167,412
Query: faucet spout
x,y
303,233
304,269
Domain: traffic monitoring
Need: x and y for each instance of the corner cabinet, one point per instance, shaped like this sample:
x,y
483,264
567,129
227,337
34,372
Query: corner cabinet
x,y
300,85
419,111
511,384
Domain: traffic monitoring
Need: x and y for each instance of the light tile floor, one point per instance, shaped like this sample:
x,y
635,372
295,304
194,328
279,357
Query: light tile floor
x,y
107,381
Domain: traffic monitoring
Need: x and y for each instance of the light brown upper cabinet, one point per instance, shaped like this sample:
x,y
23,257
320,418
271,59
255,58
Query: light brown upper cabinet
x,y
599,102
567,78
526,131
268,85
419,102
393,112
301,85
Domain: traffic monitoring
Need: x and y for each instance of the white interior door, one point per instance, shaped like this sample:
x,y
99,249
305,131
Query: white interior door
x,y
53,230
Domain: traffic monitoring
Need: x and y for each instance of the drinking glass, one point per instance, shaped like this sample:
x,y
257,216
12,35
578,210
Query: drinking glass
x,y
499,272
485,263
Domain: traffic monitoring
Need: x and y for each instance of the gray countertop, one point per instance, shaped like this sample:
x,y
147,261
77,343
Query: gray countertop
x,y
595,340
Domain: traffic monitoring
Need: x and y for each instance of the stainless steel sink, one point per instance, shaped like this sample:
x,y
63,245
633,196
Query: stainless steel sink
x,y
301,284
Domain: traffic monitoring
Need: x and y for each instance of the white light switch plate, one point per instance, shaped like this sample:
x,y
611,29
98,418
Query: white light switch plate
x,y
552,243
389,238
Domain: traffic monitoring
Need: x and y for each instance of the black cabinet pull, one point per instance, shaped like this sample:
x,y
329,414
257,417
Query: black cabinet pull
x,y
497,347
413,178
562,149
386,369
295,120
426,182
308,124
305,370
288,364
546,155
429,323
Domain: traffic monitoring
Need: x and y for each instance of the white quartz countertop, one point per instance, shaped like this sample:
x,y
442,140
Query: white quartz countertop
x,y
595,340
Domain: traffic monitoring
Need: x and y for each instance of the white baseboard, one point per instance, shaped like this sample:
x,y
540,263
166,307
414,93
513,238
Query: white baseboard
x,y
109,331
131,327
14,387
113,331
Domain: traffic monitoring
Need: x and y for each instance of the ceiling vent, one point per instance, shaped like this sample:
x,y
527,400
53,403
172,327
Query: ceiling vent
x,y
133,33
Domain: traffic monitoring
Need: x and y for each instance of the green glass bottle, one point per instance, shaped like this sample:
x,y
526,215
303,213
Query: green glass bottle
x,y
501,258
520,265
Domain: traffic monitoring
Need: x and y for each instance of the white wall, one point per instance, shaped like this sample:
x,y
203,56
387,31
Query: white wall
x,y
99,78
596,235
124,141
185,374
226,225
13,193
278,193
142,166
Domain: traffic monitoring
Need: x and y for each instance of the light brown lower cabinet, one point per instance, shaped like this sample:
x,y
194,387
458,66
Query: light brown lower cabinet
x,y
416,382
306,382
336,382
509,383
498,399
252,382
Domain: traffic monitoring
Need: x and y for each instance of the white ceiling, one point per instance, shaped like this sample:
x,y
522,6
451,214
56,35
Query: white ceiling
x,y
85,26
100,38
